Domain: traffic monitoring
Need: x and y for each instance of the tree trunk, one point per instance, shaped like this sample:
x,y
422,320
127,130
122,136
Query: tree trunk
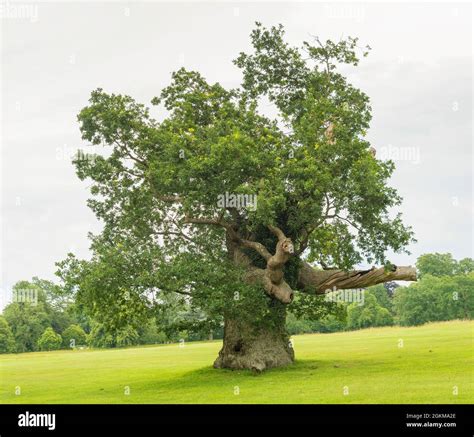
x,y
262,344
249,346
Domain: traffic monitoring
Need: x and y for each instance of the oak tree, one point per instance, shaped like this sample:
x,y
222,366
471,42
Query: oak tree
x,y
235,213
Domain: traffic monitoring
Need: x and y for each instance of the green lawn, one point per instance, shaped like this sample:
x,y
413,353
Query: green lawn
x,y
434,358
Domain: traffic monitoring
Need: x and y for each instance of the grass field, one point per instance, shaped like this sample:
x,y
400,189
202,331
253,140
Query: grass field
x,y
369,363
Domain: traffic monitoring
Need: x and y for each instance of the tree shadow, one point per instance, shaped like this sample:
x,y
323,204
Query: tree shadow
x,y
209,378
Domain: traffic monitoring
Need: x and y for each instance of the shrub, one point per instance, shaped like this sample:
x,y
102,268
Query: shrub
x,y
7,341
74,336
49,340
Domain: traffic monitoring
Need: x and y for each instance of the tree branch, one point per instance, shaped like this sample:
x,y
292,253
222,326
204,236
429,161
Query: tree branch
x,y
203,221
307,231
277,232
170,198
323,281
258,247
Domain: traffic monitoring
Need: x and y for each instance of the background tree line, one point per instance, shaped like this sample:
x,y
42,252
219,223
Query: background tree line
x,y
444,291
55,320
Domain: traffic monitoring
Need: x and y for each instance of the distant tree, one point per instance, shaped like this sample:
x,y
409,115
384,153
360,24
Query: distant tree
x,y
103,336
56,302
420,304
36,304
127,336
435,299
460,301
464,266
382,295
436,264
74,336
331,323
49,340
150,334
79,315
99,336
50,293
367,314
7,340
298,326
28,318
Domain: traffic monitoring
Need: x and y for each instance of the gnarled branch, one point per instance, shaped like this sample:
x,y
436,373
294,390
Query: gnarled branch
x,y
277,232
323,281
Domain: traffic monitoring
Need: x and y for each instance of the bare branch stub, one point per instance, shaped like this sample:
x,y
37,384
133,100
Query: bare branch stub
x,y
323,281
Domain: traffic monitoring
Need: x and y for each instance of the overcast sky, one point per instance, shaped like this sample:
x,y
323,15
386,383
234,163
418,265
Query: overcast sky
x,y
418,76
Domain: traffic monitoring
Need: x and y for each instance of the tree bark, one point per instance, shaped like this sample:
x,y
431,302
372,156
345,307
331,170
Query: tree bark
x,y
323,281
256,348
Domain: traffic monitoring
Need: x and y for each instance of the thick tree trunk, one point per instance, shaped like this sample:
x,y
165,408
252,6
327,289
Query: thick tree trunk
x,y
260,345
247,346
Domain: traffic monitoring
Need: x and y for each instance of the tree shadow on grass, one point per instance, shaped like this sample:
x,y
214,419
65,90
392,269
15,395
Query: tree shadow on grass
x,y
217,378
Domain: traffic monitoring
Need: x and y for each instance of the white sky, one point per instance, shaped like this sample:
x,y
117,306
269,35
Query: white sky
x,y
418,76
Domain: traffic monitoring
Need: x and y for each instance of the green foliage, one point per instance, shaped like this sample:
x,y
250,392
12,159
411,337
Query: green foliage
x,y
464,266
370,313
27,322
74,336
155,175
309,93
52,297
150,334
100,337
7,340
382,295
123,286
49,340
316,307
326,324
330,323
126,336
313,313
77,313
443,291
298,326
461,302
435,298
443,264
436,264
37,304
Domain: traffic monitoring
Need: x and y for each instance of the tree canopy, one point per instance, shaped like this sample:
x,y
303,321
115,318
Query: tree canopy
x,y
218,201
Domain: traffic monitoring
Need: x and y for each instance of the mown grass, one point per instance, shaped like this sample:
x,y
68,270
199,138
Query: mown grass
x,y
434,359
